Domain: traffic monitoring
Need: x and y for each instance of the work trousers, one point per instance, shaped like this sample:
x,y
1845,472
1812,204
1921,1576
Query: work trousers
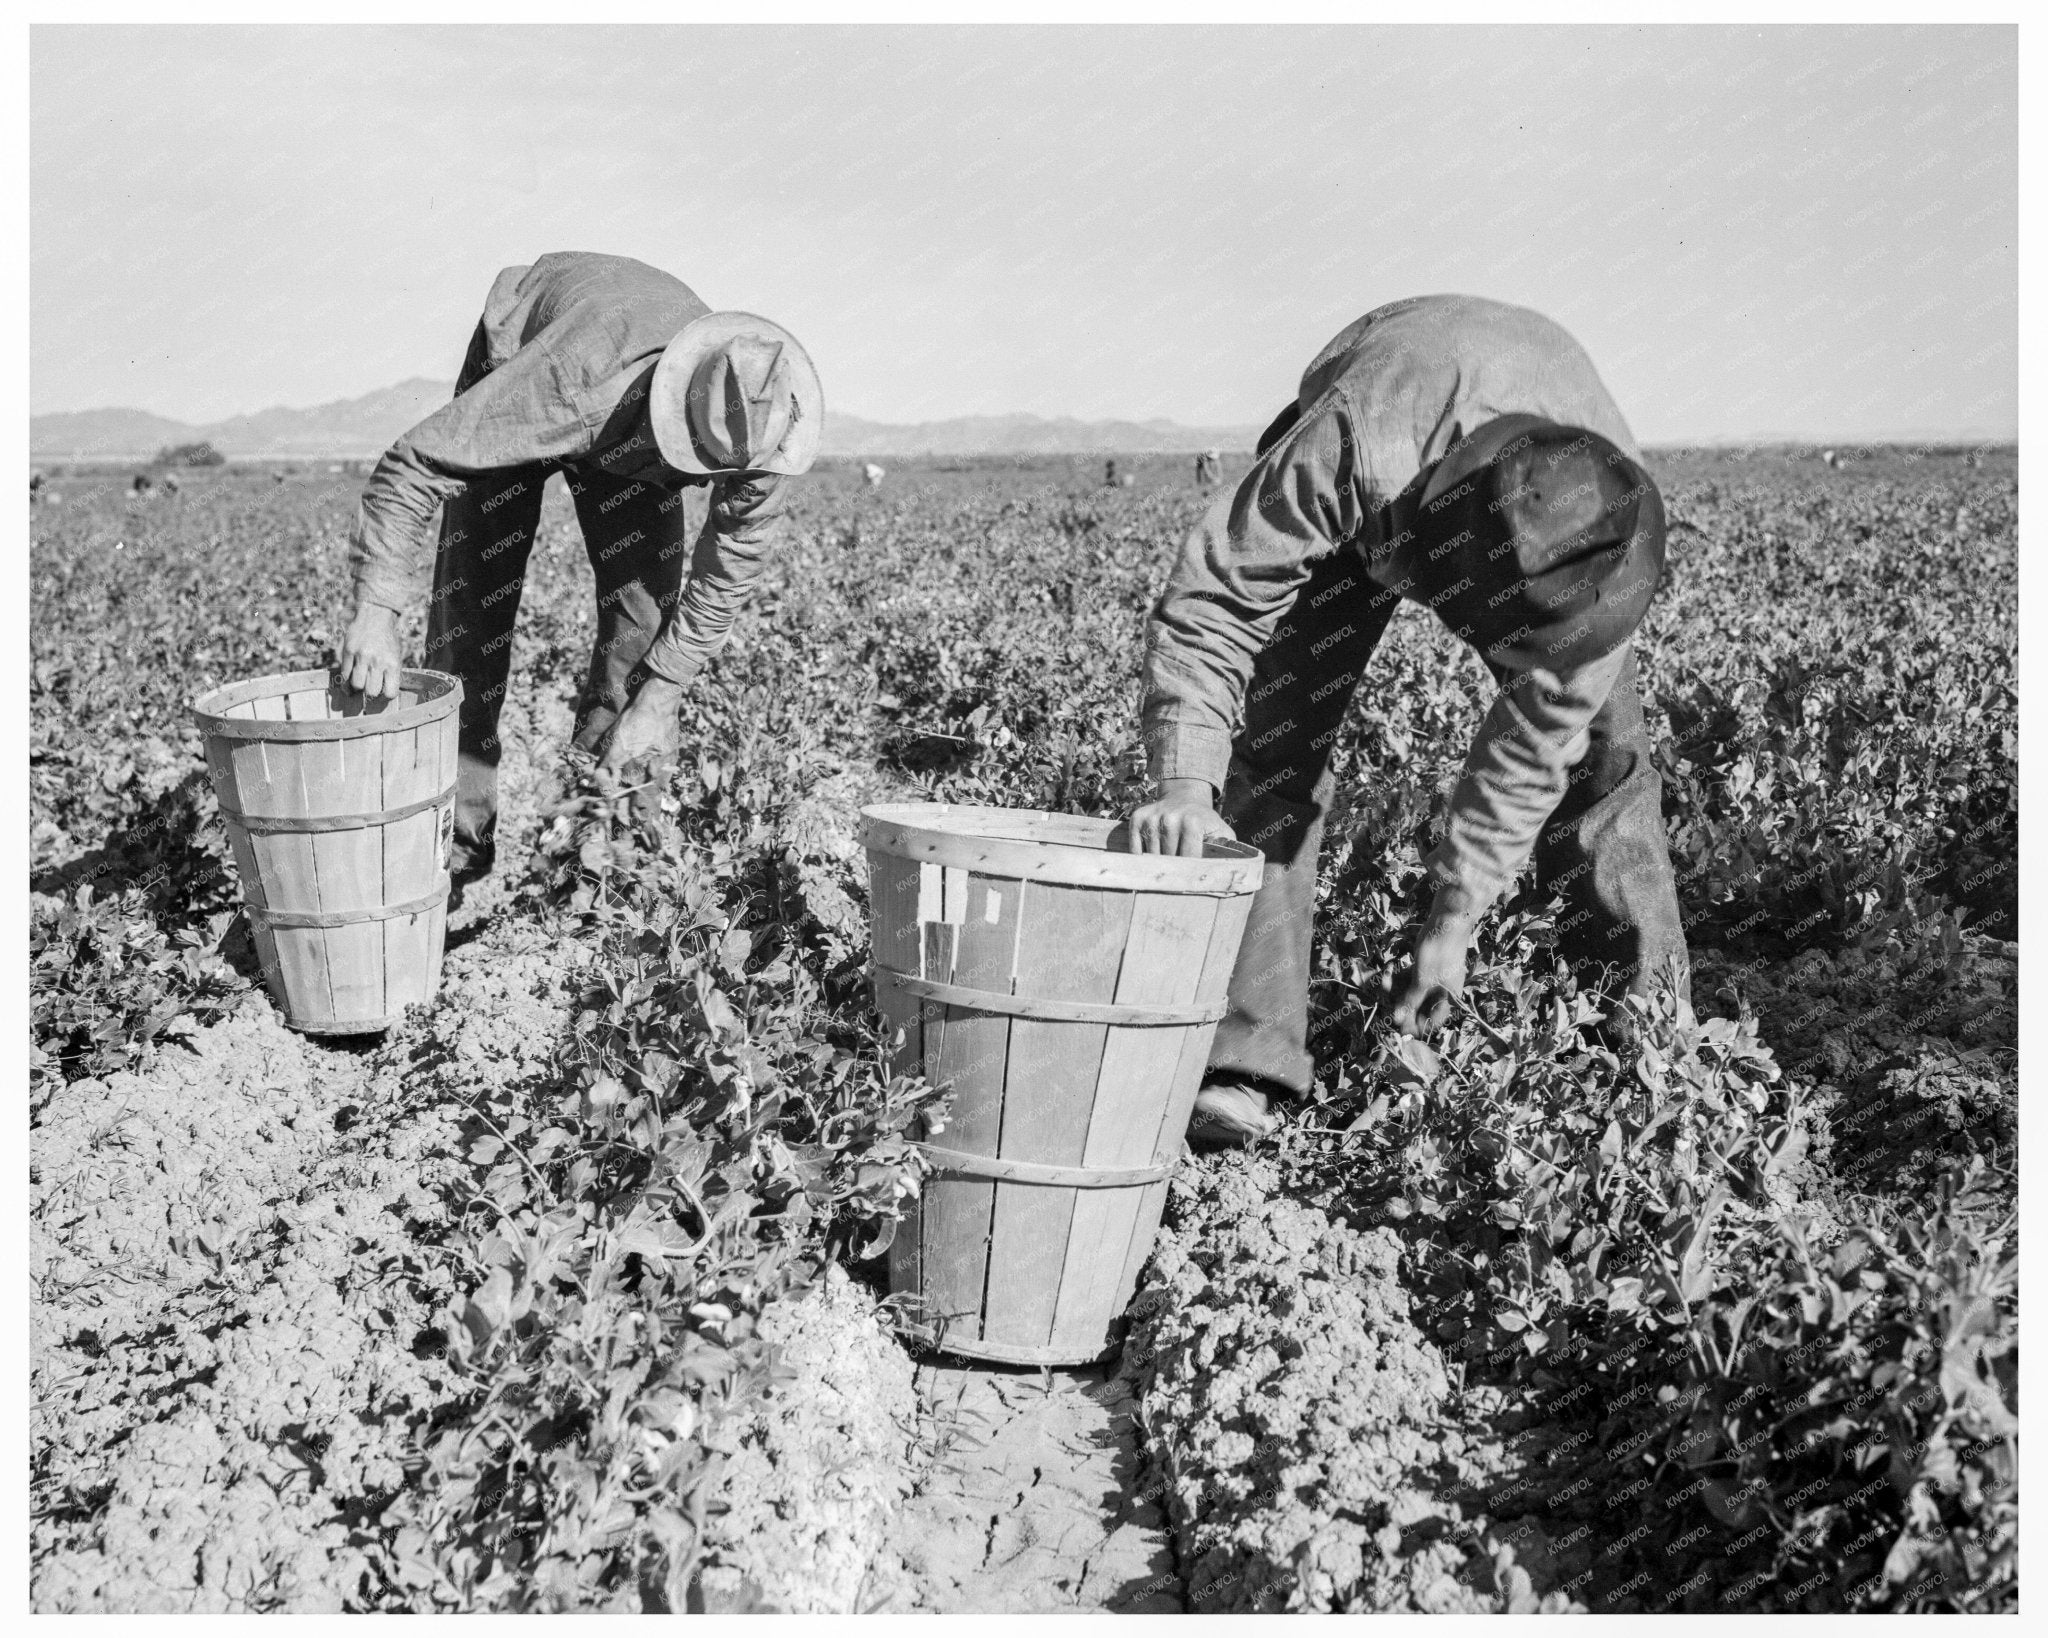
x,y
1603,851
639,539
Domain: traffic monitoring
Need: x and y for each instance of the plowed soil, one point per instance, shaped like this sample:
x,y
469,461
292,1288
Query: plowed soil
x,y
1028,1499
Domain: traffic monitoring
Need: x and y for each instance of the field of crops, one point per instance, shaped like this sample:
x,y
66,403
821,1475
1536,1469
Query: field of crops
x,y
567,1295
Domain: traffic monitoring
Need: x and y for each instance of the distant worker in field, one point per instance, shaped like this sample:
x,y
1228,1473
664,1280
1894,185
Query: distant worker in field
x,y
675,426
1109,478
1208,468
1465,455
872,474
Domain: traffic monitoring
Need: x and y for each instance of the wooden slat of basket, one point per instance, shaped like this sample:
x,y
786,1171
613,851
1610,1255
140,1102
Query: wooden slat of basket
x,y
341,775
1070,947
897,940
1223,948
970,1055
253,783
307,705
1212,986
1162,966
446,734
346,776
302,961
220,764
443,737
896,932
1173,1125
957,1213
290,873
903,1030
985,938
409,863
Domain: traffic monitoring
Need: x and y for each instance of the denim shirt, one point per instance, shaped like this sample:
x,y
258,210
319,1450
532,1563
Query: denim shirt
x,y
571,343
1379,406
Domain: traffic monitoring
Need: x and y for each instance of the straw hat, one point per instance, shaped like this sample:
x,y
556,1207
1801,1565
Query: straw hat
x,y
733,392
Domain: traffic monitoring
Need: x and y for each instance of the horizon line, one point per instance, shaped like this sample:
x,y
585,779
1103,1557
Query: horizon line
x,y
1649,445
1959,436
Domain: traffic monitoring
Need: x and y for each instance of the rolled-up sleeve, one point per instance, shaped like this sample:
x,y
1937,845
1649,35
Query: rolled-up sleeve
x,y
1233,583
1517,772
394,521
517,414
748,521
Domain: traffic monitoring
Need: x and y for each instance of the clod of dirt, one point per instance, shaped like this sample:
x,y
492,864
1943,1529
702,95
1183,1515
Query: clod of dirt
x,y
811,1492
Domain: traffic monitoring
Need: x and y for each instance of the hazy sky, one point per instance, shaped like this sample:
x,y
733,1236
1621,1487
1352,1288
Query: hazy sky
x,y
1752,230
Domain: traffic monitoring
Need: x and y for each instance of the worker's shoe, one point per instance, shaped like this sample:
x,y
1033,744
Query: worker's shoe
x,y
466,867
1229,1114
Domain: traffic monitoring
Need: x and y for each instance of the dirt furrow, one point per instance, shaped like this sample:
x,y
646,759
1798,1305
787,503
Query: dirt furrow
x,y
1027,1499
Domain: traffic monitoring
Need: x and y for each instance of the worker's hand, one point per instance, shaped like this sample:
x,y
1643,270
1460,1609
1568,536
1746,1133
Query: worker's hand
x,y
371,660
644,741
1182,821
1426,993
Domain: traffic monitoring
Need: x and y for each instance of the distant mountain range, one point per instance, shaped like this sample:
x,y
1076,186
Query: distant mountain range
x,y
1027,435
355,428
360,427
349,428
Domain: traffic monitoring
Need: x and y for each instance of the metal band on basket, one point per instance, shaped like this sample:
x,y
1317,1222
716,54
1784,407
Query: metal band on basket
x,y
349,918
1032,1171
271,824
1028,1006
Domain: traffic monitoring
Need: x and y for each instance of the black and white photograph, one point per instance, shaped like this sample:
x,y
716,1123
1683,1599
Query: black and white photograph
x,y
1122,812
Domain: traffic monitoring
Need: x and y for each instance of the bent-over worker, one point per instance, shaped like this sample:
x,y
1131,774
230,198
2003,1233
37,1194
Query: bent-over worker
x,y
675,427
1463,454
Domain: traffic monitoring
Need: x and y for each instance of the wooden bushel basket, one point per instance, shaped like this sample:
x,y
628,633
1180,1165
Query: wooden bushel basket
x,y
1067,990
341,820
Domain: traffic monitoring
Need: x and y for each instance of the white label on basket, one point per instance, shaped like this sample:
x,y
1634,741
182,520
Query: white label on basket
x,y
994,913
